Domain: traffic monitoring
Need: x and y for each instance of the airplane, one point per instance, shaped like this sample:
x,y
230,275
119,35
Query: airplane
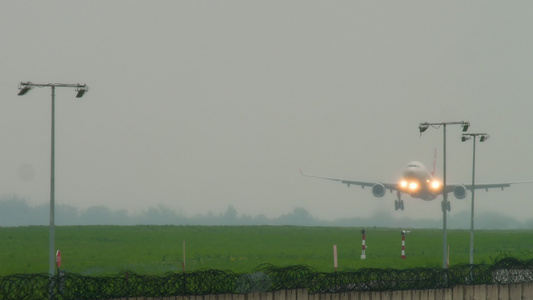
x,y
417,182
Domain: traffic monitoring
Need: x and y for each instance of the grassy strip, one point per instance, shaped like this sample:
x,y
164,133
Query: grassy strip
x,y
95,250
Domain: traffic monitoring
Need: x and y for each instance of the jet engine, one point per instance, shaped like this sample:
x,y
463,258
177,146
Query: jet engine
x,y
378,190
459,191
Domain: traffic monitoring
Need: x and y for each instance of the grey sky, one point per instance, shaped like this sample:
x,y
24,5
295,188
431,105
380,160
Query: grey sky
x,y
197,105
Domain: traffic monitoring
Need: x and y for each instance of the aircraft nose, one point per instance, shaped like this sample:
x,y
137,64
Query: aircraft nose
x,y
409,173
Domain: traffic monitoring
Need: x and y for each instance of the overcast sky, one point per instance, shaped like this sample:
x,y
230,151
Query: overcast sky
x,y
197,105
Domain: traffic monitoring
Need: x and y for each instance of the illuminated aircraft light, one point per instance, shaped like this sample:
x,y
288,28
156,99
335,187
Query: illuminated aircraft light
x,y
413,185
403,184
435,185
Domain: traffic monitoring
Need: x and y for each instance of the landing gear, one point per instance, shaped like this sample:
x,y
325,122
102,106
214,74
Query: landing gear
x,y
446,206
398,204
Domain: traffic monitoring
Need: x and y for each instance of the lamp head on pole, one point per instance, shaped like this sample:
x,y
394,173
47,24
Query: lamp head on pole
x,y
82,89
465,126
467,136
423,127
80,93
24,87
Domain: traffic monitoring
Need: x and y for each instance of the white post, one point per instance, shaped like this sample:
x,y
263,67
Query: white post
x,y
335,257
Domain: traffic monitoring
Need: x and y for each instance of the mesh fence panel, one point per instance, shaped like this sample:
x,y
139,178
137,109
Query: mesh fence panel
x,y
504,270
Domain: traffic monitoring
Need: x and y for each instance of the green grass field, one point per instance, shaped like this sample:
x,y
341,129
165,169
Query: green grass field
x,y
95,250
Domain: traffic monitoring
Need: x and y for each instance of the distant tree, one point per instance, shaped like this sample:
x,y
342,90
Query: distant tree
x,y
15,211
66,215
12,210
161,215
299,216
121,217
529,224
97,215
230,216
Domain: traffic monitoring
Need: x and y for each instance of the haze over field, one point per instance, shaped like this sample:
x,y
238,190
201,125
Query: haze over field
x,y
196,106
16,212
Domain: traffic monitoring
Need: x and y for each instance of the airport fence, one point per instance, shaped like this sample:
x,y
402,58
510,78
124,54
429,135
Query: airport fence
x,y
504,271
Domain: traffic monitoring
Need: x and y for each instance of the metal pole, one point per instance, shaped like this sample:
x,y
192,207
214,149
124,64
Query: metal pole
x,y
472,209
444,206
81,89
51,265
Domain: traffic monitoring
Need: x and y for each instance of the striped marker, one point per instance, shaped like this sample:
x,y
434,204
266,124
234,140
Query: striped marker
x,y
403,244
363,255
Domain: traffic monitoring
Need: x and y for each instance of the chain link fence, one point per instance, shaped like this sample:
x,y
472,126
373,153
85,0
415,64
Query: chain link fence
x,y
504,270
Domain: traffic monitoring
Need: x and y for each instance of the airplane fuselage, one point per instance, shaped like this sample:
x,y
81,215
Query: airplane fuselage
x,y
417,182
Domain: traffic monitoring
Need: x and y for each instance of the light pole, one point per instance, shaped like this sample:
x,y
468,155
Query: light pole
x,y
81,89
445,204
482,137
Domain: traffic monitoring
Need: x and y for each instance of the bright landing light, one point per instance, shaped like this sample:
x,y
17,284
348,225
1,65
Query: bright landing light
x,y
413,185
435,185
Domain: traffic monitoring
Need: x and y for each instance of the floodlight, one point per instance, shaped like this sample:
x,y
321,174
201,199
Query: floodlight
x,y
423,126
483,138
465,138
24,90
81,92
465,126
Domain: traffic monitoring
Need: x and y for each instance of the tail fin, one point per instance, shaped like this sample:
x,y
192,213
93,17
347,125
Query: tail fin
x,y
434,162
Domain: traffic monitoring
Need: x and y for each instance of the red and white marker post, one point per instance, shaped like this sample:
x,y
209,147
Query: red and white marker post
x,y
363,255
403,244
58,259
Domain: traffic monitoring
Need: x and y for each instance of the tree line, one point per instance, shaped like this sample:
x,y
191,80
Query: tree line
x,y
15,211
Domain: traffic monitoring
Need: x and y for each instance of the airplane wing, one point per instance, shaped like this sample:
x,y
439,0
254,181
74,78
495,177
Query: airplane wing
x,y
363,184
485,186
